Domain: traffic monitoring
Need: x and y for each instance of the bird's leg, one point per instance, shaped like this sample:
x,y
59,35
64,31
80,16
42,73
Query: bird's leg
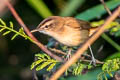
x,y
92,56
69,54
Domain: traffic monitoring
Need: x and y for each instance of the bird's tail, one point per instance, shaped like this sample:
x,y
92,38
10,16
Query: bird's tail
x,y
92,30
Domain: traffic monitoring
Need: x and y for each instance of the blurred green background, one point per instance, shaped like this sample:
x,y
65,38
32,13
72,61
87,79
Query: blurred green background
x,y
16,56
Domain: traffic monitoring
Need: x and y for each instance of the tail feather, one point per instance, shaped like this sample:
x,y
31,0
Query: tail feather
x,y
92,30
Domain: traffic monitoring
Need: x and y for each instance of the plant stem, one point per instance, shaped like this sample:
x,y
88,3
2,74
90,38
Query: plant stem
x,y
109,40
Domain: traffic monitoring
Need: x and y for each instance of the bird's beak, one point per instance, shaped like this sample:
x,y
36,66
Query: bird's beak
x,y
35,30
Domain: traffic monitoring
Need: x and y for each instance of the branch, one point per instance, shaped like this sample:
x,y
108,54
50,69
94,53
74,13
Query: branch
x,y
97,62
81,50
106,8
58,51
29,33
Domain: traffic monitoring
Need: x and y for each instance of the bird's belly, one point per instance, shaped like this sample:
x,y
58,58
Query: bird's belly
x,y
74,39
70,40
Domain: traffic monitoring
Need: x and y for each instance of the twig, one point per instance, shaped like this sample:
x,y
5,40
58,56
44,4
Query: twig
x,y
105,6
97,61
81,50
34,71
86,60
92,56
81,58
29,33
107,38
57,51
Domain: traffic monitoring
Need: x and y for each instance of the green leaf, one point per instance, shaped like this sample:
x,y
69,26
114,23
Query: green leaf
x,y
48,57
97,23
39,55
2,29
111,75
14,36
10,29
40,7
98,10
11,24
75,70
51,66
42,56
45,60
100,76
21,30
114,55
7,32
2,22
111,65
105,77
43,65
71,7
90,75
89,66
78,69
117,34
36,63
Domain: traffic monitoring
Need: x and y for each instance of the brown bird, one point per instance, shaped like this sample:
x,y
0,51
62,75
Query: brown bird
x,y
66,30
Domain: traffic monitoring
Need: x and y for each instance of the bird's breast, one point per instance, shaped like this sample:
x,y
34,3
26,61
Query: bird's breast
x,y
73,38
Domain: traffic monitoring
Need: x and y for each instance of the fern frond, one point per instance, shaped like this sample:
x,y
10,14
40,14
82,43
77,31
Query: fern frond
x,y
108,67
100,76
111,65
113,26
36,63
79,68
42,56
43,65
43,61
10,29
51,66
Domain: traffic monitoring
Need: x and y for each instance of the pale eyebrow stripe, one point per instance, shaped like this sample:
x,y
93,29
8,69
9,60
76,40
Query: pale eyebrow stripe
x,y
46,21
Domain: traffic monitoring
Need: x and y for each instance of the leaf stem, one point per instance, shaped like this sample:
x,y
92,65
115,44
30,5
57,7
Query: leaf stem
x,y
109,40
23,35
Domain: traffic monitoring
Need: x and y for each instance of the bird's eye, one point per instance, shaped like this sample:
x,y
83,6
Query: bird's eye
x,y
46,26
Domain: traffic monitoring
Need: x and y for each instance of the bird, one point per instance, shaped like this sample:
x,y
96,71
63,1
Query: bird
x,y
68,31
